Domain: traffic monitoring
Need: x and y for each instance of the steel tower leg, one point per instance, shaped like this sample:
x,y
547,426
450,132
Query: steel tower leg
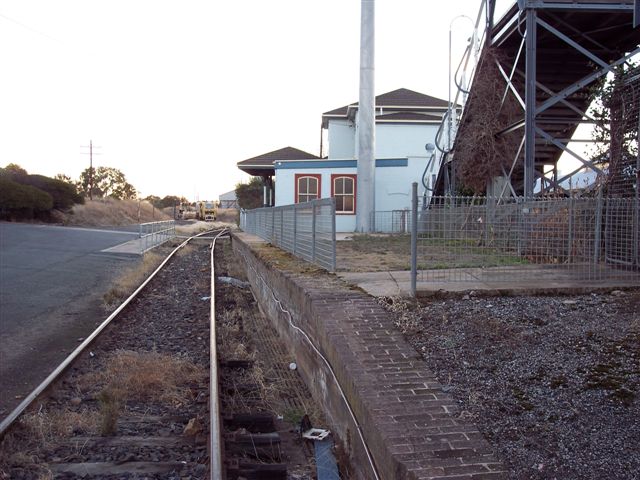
x,y
530,104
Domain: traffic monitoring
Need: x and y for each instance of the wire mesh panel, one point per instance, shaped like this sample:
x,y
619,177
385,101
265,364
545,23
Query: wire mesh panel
x,y
392,221
306,230
480,239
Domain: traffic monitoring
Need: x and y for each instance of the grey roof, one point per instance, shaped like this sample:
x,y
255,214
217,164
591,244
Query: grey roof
x,y
227,195
408,117
263,164
402,97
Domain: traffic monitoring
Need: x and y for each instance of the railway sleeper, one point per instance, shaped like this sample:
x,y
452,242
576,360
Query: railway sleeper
x,y
261,446
243,364
119,468
252,422
256,471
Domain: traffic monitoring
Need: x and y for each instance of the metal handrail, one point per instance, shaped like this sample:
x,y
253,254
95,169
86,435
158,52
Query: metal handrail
x,y
152,234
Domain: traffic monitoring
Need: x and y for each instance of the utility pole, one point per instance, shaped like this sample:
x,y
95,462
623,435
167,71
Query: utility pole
x,y
366,120
90,153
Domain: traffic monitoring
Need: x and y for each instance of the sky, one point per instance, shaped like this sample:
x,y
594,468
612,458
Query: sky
x,y
174,94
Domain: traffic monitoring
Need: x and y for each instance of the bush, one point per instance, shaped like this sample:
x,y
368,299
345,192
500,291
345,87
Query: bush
x,y
64,194
22,201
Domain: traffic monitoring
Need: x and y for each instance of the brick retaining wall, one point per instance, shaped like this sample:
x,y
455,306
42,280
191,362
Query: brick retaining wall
x,y
411,426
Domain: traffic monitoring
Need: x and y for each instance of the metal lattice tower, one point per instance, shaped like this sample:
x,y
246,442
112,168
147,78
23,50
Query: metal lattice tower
x,y
548,56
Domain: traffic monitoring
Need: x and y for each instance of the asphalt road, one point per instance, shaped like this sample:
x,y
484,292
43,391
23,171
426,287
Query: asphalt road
x,y
51,284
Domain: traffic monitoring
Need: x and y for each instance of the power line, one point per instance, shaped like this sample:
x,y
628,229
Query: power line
x,y
29,28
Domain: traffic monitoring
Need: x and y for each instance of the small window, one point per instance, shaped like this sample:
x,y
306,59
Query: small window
x,y
344,191
307,188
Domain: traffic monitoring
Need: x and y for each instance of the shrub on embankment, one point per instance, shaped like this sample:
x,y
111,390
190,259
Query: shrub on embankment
x,y
27,197
64,194
18,202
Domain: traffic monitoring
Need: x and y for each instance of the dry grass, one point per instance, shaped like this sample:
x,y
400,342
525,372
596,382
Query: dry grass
x,y
45,426
228,215
126,284
232,341
111,212
407,318
369,253
199,226
146,376
20,449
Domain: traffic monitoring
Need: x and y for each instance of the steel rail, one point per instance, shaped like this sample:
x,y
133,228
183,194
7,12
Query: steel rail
x,y
215,435
8,421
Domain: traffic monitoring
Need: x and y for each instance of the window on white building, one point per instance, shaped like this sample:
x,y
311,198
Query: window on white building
x,y
307,187
343,188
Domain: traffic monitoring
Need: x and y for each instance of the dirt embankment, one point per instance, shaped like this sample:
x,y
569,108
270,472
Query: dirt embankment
x,y
112,212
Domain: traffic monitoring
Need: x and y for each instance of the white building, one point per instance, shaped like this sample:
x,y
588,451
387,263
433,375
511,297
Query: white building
x,y
228,200
405,122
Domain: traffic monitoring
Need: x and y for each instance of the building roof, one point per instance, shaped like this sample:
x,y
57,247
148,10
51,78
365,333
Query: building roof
x,y
408,117
400,99
263,164
231,195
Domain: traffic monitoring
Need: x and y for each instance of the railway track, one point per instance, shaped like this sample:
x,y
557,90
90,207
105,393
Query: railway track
x,y
133,400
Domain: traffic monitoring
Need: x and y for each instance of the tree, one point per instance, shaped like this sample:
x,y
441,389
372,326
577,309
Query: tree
x,y
107,182
617,115
153,200
250,194
64,178
169,201
14,169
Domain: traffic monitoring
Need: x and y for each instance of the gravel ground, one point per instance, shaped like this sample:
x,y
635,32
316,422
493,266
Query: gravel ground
x,y
552,381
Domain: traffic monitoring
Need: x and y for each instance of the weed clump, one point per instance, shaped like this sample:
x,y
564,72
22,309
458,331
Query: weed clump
x,y
147,376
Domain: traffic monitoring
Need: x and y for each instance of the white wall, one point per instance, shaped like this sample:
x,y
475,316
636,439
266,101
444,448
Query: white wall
x,y
395,140
341,139
393,187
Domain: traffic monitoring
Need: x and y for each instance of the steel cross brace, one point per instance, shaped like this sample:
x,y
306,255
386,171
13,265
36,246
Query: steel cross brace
x,y
565,148
584,81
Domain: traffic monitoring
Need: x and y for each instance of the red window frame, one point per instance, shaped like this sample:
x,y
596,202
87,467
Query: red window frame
x,y
353,177
317,176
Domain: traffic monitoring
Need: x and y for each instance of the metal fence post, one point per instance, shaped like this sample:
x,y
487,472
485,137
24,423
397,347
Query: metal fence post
x,y
597,239
333,233
273,226
295,227
313,232
282,226
414,237
571,220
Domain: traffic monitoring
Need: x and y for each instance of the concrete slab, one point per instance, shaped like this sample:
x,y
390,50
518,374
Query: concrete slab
x,y
135,247
505,280
521,280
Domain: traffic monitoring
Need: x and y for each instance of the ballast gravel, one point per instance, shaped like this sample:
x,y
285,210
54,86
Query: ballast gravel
x,y
551,381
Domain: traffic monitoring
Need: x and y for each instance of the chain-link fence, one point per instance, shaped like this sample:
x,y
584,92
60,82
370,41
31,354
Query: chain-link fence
x,y
307,230
480,239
